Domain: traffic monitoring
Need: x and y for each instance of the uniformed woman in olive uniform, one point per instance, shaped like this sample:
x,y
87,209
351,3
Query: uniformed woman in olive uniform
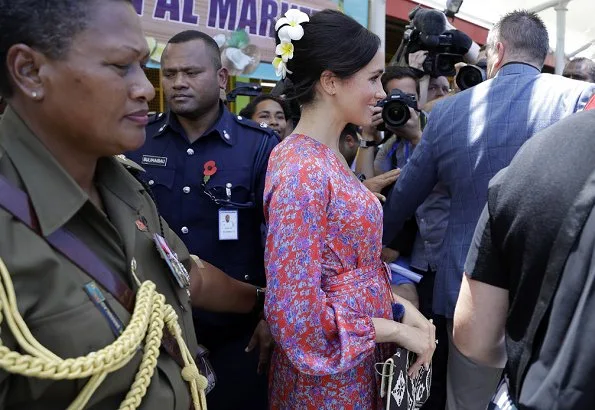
x,y
78,233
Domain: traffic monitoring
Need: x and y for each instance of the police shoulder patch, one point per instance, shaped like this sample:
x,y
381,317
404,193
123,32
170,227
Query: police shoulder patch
x,y
253,124
157,124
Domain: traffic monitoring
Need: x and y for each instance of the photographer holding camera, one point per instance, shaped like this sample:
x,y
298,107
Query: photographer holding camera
x,y
404,120
430,88
398,114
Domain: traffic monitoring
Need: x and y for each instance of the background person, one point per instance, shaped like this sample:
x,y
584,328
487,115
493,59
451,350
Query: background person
x,y
271,110
580,68
429,88
350,144
527,295
203,162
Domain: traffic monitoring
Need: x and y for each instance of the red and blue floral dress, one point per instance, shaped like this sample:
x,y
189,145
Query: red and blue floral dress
x,y
325,280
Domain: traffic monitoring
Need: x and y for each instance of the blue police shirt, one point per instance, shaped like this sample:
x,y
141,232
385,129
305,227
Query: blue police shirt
x,y
175,173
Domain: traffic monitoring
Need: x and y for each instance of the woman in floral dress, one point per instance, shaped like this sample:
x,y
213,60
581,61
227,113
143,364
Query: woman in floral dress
x,y
328,301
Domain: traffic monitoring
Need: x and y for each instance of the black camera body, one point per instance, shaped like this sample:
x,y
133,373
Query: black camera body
x,y
427,31
441,64
444,51
395,109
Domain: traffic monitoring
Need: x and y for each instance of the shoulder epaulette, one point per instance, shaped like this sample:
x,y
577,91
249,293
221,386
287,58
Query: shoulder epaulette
x,y
253,124
129,164
156,117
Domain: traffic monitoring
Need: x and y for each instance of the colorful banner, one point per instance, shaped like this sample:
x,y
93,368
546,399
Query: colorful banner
x,y
244,29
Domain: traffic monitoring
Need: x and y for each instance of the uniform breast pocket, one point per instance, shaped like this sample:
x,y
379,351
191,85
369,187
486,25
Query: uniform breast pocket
x,y
77,330
231,188
160,178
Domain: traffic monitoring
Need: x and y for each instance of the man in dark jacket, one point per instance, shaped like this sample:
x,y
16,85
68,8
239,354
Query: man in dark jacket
x,y
528,294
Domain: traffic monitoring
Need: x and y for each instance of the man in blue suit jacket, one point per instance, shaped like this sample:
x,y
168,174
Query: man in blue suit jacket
x,y
473,135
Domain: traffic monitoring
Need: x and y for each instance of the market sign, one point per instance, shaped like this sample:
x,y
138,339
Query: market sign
x,y
244,29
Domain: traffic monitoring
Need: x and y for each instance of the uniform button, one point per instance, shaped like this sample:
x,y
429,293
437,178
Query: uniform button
x,y
225,135
246,277
162,128
186,189
184,230
151,182
190,151
263,125
423,221
240,117
426,242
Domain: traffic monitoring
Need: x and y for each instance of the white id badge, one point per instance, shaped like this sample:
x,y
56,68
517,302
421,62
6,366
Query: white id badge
x,y
228,224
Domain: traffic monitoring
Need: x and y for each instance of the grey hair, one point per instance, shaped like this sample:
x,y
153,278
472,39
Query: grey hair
x,y
45,25
525,35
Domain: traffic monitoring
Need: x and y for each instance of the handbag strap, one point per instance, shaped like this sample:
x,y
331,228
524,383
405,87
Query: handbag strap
x,y
17,203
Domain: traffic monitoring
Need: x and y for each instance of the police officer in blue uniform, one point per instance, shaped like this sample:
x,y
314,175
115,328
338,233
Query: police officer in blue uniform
x,y
206,168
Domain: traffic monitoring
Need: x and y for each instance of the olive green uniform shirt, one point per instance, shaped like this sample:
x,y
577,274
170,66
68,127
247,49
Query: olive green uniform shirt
x,y
49,288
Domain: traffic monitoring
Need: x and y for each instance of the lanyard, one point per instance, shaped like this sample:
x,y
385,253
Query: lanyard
x,y
395,147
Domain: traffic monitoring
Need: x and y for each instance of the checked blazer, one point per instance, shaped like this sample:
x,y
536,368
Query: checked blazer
x,y
469,138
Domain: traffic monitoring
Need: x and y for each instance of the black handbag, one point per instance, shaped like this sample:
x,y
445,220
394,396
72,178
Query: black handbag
x,y
205,367
400,391
502,399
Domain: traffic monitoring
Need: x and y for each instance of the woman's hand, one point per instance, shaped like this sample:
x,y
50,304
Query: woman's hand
x,y
414,318
419,342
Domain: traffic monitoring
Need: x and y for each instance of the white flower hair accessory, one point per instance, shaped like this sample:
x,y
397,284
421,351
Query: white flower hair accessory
x,y
288,28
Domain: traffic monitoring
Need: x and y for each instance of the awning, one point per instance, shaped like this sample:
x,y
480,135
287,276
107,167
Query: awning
x,y
476,17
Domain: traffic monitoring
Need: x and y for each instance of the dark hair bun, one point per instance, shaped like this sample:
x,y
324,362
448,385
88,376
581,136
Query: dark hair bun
x,y
332,41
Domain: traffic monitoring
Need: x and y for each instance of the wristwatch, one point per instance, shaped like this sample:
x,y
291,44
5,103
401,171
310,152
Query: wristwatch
x,y
367,144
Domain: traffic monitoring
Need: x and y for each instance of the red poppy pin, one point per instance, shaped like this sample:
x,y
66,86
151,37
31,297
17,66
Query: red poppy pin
x,y
209,171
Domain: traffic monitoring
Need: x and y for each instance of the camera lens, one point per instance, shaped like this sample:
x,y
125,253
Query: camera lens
x,y
396,113
469,76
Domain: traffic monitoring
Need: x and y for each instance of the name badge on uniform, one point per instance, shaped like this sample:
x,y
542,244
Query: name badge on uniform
x,y
154,160
175,266
228,224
